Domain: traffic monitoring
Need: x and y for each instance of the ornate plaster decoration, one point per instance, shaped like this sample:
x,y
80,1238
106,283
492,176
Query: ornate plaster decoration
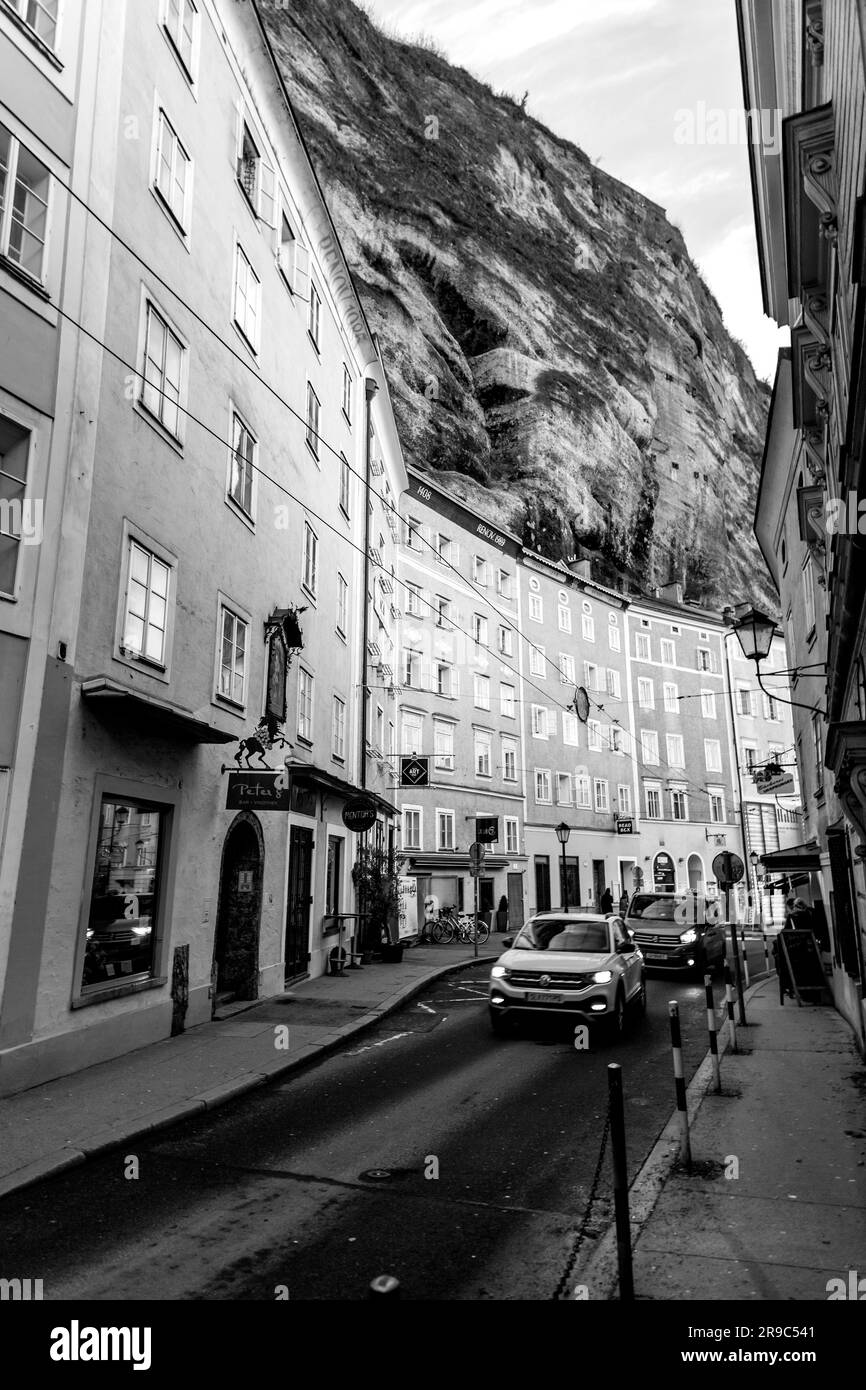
x,y
814,29
818,185
817,369
814,449
816,312
850,788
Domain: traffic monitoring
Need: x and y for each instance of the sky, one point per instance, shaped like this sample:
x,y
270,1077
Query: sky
x,y
651,91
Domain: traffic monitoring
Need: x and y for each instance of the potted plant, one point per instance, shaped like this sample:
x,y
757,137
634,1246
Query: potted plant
x,y
375,878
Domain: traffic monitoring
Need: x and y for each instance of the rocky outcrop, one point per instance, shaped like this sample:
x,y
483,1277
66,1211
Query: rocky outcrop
x,y
555,356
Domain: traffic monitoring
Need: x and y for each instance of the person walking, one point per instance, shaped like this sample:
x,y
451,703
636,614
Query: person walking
x,y
607,901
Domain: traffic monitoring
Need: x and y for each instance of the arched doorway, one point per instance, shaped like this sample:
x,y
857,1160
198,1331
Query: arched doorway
x,y
236,940
664,873
696,873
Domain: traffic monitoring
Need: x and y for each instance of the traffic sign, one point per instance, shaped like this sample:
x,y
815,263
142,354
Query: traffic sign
x,y
486,829
476,859
415,771
728,868
580,704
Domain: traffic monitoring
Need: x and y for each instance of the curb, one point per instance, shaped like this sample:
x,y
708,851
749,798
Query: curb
x,y
600,1271
115,1137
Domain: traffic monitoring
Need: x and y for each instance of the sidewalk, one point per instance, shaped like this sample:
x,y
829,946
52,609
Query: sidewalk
x,y
65,1122
792,1113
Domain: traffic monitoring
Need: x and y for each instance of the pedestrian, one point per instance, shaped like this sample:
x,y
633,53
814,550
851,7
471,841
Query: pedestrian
x,y
607,901
623,903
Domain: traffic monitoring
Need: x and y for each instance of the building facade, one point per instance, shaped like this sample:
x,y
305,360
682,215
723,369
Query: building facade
x,y
228,420
806,59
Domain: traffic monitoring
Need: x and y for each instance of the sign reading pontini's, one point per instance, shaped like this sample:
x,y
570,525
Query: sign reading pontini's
x,y
257,791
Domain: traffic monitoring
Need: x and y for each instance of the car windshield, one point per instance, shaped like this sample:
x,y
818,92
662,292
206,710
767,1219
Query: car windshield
x,y
563,934
656,909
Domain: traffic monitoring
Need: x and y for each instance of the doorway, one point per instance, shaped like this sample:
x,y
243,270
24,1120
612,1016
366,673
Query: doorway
x,y
299,901
485,895
515,902
696,874
236,940
598,881
542,883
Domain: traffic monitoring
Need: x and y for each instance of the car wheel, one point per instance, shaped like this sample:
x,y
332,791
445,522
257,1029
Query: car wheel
x,y
617,1018
499,1024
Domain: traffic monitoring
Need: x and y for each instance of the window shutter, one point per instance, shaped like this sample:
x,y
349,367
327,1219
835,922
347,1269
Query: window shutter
x,y
455,681
455,553
267,208
551,722
301,276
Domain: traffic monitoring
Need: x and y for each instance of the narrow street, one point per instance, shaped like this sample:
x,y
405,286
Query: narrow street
x,y
282,1188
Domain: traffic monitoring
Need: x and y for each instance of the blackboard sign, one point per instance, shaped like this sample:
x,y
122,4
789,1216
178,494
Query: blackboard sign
x,y
800,964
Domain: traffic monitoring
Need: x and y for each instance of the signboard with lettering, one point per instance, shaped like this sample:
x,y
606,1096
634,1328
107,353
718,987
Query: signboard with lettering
x,y
486,829
359,814
772,779
257,791
414,771
799,963
450,507
407,907
664,873
625,825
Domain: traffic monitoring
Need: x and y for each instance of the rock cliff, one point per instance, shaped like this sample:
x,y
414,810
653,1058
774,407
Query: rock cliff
x,y
555,357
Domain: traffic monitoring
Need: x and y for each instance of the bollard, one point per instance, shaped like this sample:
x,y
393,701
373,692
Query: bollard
x,y
766,951
745,958
620,1182
738,975
680,1083
384,1286
711,1029
729,999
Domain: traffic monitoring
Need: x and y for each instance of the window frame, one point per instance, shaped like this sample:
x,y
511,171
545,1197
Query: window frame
x,y
248,516
188,68
252,339
418,813
134,535
176,438
180,222
225,604
445,816
305,718
338,753
310,561
312,431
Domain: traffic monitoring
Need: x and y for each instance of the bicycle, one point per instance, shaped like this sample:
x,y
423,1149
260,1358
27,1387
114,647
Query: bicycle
x,y
462,927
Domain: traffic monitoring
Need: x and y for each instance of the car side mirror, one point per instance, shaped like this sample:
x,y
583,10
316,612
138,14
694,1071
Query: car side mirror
x,y
508,942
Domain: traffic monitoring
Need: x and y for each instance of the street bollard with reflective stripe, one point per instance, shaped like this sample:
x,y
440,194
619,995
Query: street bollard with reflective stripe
x,y
745,959
680,1083
384,1286
620,1182
766,952
738,976
711,1029
729,1000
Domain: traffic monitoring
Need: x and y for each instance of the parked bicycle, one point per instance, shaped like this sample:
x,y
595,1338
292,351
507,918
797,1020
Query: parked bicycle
x,y
451,925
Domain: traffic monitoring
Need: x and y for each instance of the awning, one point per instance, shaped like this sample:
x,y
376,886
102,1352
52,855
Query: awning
x,y
321,777
797,858
143,713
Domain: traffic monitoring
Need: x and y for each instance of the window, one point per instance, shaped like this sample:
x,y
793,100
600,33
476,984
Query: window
x,y
312,431
506,641
642,646
479,630
172,170
443,746
771,708
180,25
583,791
809,595
645,693
443,611
616,745
314,320
706,660
310,578
411,827
506,701
347,393
712,755
445,684
411,668
669,652
679,805
542,785
512,835
124,893
653,803
233,657
590,675
413,533
162,377
708,704
509,761
146,617
413,733
443,549
649,745
564,791
564,618
342,605
338,729
538,721
536,608
536,661
479,570
483,741
623,799
482,691
745,702
593,734
818,749
613,638
345,485
671,697
16,510
587,623
566,669
503,584
570,724
248,294
613,684
413,599
40,16
445,830
750,756
717,804
602,794
676,751
242,466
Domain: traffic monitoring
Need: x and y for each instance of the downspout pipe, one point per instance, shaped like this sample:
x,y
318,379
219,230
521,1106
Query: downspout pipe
x,y
370,389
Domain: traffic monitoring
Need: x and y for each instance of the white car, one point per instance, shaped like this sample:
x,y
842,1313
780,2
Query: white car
x,y
577,963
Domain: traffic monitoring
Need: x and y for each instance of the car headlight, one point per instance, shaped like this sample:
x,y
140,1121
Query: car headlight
x,y
602,977
498,972
141,931
689,936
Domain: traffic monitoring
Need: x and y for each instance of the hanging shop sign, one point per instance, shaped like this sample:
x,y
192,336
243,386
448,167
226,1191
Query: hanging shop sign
x,y
359,814
414,771
486,829
257,791
625,825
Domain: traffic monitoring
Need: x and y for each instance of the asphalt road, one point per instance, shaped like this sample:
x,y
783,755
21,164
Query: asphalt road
x,y
425,1149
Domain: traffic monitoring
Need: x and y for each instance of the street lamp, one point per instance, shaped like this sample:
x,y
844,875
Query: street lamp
x,y
755,633
562,833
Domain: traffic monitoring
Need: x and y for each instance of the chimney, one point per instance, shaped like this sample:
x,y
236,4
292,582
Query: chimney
x,y
673,592
582,568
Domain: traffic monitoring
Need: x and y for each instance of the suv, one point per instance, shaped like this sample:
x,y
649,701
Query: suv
x,y
674,933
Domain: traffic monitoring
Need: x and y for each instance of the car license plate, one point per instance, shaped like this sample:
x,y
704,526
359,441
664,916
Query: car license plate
x,y
655,955
536,997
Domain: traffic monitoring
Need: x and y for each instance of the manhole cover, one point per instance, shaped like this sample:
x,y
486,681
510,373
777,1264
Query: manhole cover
x,y
384,1174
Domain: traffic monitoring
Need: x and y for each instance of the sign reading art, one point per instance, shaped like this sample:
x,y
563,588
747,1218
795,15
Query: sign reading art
x,y
257,791
359,814
414,771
